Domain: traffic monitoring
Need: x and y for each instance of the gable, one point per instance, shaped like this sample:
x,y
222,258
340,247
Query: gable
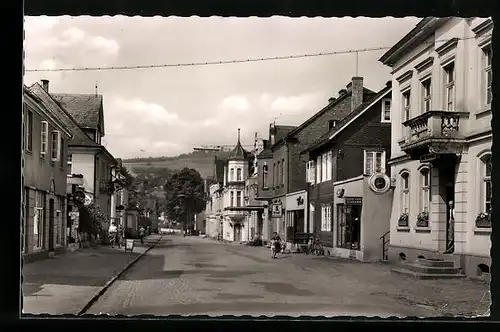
x,y
86,109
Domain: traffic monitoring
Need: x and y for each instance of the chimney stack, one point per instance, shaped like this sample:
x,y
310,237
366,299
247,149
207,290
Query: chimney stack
x,y
357,92
331,100
342,92
388,84
272,133
45,85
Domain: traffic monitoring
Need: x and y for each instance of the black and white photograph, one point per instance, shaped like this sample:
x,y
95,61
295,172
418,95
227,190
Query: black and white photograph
x,y
262,166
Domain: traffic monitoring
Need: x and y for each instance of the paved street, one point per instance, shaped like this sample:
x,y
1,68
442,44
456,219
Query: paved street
x,y
65,284
189,276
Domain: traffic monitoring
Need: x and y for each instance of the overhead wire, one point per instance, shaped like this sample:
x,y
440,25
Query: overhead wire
x,y
224,62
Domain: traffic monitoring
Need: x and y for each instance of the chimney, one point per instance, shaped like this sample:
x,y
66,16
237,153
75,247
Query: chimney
x,y
357,92
388,84
331,100
272,133
342,92
45,85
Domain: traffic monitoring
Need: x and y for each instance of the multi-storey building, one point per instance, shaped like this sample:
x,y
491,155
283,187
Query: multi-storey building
x,y
441,142
288,169
214,206
349,193
45,141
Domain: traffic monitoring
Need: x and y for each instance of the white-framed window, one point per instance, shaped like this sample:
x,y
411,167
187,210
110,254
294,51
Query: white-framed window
x,y
425,189
311,171
29,130
405,192
238,198
282,172
278,179
38,218
318,170
374,162
231,174
329,165
238,174
426,95
386,110
265,176
486,191
58,221
69,163
274,174
324,167
55,141
326,218
44,138
487,75
449,86
406,105
231,198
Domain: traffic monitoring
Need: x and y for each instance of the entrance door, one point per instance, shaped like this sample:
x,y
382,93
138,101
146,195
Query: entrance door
x,y
353,226
447,173
237,233
51,224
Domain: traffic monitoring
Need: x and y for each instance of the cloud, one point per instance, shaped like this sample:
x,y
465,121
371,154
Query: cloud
x,y
147,113
294,104
235,103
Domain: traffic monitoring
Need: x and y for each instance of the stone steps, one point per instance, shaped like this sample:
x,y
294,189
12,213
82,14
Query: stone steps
x,y
429,269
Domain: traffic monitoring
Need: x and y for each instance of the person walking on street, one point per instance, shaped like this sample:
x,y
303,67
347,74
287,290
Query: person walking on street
x,y
141,234
112,234
119,235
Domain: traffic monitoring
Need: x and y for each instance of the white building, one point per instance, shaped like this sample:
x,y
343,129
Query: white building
x,y
441,142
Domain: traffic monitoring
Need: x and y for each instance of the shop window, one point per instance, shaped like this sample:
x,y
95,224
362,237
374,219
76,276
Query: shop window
x,y
348,226
326,218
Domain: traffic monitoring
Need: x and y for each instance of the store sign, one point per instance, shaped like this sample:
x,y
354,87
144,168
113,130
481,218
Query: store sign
x,y
300,201
354,200
277,210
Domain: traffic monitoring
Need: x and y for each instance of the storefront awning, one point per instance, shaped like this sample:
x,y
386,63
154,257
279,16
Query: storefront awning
x,y
245,208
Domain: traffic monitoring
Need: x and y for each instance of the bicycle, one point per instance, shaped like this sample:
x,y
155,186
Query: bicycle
x,y
315,247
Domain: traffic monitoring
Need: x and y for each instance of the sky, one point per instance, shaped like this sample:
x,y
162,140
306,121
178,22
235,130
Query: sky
x,y
168,111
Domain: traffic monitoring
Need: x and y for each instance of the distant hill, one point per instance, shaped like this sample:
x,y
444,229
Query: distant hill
x,y
202,161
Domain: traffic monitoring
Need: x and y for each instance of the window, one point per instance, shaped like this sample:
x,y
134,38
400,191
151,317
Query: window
x,y
274,174
486,183
55,140
278,178
332,124
282,172
231,174
238,174
329,165
405,193
426,95
232,198
265,176
310,172
326,218
488,75
374,162
425,189
58,220
238,198
386,110
406,105
449,71
318,171
38,220
69,163
29,131
44,137
324,167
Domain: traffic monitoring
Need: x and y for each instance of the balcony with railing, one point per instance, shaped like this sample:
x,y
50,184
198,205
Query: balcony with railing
x,y
436,132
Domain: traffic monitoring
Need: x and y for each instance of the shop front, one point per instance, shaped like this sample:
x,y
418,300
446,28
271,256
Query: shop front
x,y
296,221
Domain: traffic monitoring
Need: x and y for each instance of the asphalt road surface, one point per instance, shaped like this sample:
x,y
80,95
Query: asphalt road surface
x,y
193,276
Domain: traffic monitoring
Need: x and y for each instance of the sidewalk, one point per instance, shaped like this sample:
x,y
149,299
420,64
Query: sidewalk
x,y
65,284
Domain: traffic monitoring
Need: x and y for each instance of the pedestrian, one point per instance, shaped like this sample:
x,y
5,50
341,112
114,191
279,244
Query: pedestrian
x,y
275,244
112,234
141,234
119,235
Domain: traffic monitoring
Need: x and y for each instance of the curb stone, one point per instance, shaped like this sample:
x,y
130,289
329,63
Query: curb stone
x,y
113,279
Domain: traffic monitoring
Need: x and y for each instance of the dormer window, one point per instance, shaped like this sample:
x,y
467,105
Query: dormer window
x,y
386,110
332,124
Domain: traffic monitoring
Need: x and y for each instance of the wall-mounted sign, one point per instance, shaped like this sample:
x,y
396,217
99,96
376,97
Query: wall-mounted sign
x,y
379,183
340,192
277,210
353,200
80,196
300,200
428,157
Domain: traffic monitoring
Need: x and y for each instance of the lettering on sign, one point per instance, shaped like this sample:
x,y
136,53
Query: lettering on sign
x,y
428,157
354,200
276,210
300,200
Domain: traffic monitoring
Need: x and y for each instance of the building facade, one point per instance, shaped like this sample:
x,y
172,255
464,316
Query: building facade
x,y
350,192
441,146
45,141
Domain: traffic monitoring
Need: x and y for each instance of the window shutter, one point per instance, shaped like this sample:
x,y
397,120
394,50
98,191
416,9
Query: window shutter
x,y
44,137
308,172
313,171
318,170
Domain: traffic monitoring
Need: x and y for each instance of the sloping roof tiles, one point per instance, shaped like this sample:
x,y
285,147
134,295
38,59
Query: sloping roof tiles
x,y
84,108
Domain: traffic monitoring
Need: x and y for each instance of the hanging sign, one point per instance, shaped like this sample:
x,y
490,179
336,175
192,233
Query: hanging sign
x,y
276,210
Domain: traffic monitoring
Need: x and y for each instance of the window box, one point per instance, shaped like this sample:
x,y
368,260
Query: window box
x,y
422,229
403,228
423,219
403,220
482,230
483,220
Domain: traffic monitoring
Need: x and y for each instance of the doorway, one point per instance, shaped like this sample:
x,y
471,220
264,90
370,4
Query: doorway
x,y
51,224
237,233
447,183
349,226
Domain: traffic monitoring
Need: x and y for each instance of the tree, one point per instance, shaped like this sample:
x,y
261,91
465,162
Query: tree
x,y
184,193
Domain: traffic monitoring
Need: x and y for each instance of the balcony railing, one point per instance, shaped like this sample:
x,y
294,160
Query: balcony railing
x,y
435,127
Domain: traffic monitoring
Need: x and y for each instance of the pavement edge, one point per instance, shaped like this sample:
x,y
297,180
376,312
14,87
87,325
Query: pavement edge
x,y
113,279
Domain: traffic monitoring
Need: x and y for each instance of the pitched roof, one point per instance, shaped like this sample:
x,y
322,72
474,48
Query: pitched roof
x,y
86,109
367,94
238,153
345,122
79,137
281,131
